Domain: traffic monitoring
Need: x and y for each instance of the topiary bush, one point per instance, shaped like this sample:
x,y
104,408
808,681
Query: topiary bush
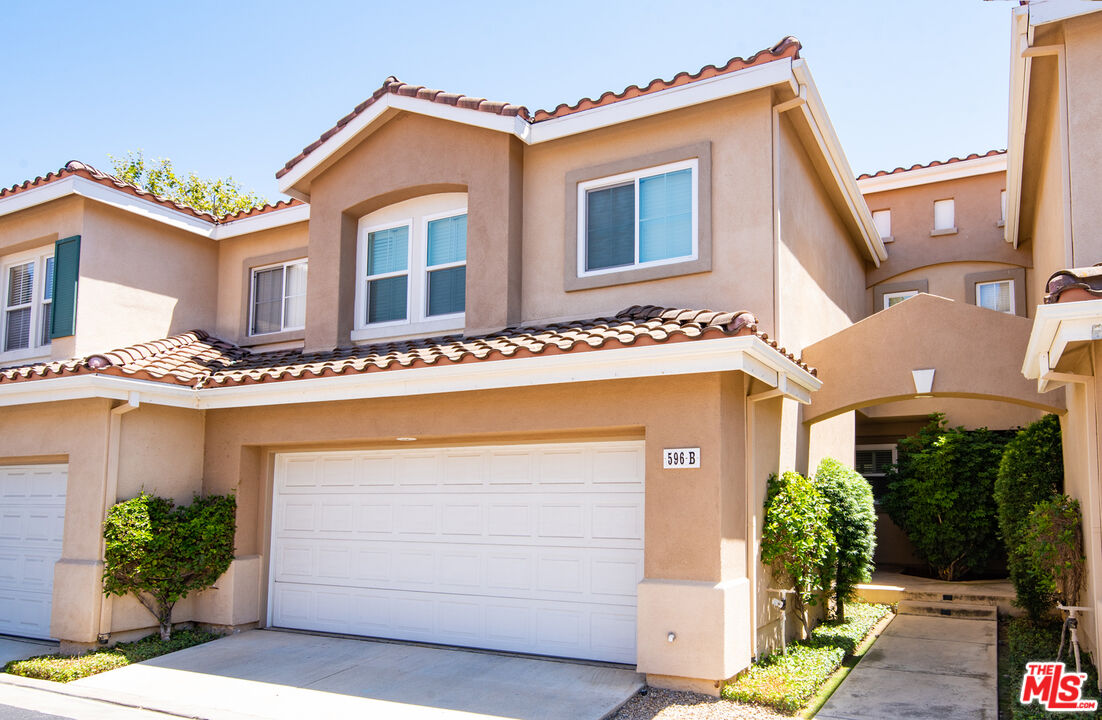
x,y
941,493
796,539
160,552
1031,471
1054,535
853,522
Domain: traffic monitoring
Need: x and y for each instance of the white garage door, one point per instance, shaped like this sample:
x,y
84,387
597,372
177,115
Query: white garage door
x,y
32,518
525,548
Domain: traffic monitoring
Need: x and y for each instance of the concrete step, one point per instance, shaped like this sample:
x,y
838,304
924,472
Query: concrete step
x,y
948,609
972,598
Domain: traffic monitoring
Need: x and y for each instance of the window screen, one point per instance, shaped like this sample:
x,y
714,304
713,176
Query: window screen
x,y
610,227
388,256
998,296
666,216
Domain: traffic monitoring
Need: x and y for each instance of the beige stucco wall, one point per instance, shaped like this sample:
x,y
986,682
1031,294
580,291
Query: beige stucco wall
x,y
945,280
235,255
41,225
1083,48
741,278
140,280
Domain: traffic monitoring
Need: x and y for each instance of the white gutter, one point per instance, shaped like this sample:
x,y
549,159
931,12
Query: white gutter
x,y
748,354
936,173
1021,35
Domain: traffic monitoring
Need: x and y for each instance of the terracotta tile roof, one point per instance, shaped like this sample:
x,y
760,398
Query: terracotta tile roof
x,y
935,163
789,47
1074,284
84,170
194,359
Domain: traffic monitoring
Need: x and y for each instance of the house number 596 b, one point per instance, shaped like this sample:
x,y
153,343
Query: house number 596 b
x,y
680,458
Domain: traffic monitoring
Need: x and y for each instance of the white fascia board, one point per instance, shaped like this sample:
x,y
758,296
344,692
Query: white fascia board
x,y
139,206
1054,328
935,174
816,115
747,354
1043,12
766,75
264,221
36,196
1021,36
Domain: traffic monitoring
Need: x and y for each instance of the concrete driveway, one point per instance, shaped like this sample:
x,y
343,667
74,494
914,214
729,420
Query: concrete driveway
x,y
12,648
274,674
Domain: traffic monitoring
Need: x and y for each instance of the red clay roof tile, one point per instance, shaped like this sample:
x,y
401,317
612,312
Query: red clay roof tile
x,y
194,359
935,163
1074,284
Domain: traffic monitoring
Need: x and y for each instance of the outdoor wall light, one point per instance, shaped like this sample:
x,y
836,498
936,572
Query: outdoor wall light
x,y
671,637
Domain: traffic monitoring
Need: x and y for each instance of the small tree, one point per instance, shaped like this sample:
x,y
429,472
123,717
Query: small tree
x,y
159,552
1054,535
217,196
853,522
796,539
941,494
1031,471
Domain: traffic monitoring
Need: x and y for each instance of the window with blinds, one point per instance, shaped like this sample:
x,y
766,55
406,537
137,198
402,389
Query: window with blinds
x,y
446,265
997,296
278,298
638,219
874,462
28,287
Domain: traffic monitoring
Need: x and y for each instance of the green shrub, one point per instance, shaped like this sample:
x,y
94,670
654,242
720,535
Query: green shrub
x,y
66,668
1054,536
941,495
159,552
853,522
796,539
1031,471
788,682
1028,641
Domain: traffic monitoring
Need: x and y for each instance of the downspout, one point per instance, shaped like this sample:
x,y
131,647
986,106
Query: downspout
x,y
111,493
752,568
1057,51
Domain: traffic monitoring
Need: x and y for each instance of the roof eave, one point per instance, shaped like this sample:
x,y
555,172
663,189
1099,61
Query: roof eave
x,y
1021,36
984,165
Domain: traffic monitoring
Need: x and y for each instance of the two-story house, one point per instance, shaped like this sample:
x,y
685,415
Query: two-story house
x,y
498,378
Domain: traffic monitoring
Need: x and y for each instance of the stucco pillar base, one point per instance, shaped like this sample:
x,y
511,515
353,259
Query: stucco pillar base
x,y
235,598
670,682
710,623
78,592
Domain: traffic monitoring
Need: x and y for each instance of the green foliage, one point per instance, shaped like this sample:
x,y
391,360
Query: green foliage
x,y
160,552
788,682
1054,537
1028,641
853,522
1031,471
796,538
66,668
942,494
217,196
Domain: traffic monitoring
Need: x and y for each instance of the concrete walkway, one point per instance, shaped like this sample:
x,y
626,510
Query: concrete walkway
x,y
923,668
276,675
24,699
12,648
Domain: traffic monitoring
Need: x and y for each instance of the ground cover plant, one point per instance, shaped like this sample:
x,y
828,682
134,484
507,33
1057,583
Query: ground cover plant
x,y
66,668
1031,471
1021,641
160,552
941,493
787,682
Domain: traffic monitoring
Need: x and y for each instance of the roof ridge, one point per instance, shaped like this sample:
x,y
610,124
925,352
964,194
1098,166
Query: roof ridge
x,y
932,163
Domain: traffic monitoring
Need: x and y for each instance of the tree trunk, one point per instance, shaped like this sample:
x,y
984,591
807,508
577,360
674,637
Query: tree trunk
x,y
839,608
164,616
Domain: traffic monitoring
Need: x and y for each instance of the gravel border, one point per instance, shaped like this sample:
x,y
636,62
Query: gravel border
x,y
660,704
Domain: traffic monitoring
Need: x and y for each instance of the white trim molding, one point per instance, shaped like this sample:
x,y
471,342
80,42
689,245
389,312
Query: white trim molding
x,y
934,174
747,354
1054,328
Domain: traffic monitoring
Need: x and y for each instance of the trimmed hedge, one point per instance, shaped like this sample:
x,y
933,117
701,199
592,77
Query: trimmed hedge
x,y
853,522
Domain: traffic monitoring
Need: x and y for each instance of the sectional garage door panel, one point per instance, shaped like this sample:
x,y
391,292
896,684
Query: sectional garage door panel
x,y
535,548
32,519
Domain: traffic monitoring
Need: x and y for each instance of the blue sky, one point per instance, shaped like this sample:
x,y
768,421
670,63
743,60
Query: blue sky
x,y
238,88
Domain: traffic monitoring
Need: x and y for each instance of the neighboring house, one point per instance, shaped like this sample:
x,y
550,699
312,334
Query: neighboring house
x,y
1054,211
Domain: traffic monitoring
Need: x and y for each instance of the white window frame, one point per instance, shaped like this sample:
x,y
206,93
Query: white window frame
x,y
416,214
634,177
283,327
894,447
38,306
887,214
952,227
1013,299
904,294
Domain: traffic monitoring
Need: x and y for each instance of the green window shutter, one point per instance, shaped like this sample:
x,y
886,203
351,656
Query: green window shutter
x,y
63,309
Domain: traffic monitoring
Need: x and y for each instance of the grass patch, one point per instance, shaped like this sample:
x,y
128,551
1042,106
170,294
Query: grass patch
x,y
1021,642
788,682
66,668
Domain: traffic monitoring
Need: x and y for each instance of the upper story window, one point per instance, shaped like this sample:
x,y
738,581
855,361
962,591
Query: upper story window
x,y
278,298
638,219
883,221
894,298
997,295
412,268
1002,205
28,287
945,217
